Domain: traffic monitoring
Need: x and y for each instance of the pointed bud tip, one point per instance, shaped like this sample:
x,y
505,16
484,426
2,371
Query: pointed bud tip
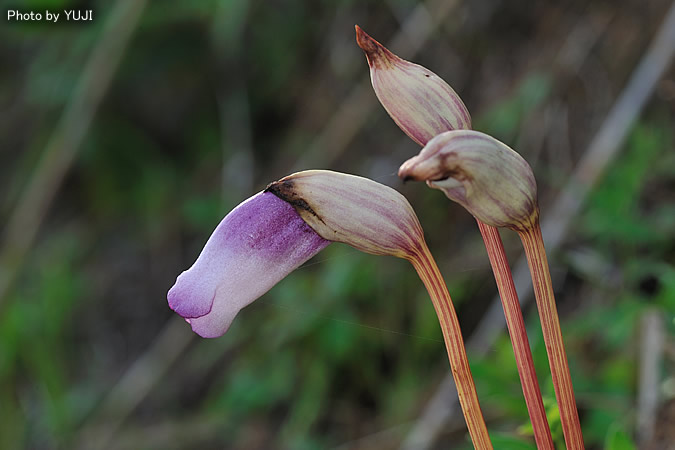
x,y
419,101
363,39
377,54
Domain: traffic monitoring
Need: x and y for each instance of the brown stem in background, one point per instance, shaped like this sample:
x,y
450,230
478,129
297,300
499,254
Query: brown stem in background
x,y
459,363
516,326
550,325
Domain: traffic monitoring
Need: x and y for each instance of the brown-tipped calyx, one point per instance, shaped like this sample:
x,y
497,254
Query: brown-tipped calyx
x,y
367,215
376,54
493,182
419,101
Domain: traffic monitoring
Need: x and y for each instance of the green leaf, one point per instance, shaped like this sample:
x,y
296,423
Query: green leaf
x,y
506,441
618,439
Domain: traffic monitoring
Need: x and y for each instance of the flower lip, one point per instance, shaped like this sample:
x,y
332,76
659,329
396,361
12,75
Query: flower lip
x,y
256,245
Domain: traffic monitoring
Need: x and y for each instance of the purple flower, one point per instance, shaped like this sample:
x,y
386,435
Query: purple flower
x,y
271,234
254,247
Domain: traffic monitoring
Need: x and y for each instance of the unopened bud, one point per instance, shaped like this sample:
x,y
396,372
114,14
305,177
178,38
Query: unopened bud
x,y
493,182
419,101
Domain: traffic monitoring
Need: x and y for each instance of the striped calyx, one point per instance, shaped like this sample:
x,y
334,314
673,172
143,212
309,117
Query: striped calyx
x,y
367,215
493,182
418,100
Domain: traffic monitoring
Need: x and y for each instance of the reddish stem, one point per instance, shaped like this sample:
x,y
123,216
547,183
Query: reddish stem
x,y
459,363
516,326
550,325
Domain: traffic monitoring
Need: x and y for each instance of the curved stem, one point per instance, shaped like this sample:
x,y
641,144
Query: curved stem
x,y
550,326
516,326
459,363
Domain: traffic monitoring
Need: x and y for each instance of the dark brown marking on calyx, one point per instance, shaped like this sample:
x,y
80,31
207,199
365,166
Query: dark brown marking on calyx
x,y
457,173
284,189
452,169
377,54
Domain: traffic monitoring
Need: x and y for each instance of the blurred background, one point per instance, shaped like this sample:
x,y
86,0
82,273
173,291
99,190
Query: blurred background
x,y
124,140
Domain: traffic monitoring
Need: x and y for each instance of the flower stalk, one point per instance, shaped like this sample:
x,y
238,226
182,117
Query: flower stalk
x,y
535,252
518,334
428,272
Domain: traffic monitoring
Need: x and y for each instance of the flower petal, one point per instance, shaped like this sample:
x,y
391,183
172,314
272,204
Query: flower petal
x,y
419,101
255,246
367,215
493,182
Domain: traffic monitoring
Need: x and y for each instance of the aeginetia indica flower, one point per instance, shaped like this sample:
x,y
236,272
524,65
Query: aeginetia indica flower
x,y
492,181
269,235
418,100
272,233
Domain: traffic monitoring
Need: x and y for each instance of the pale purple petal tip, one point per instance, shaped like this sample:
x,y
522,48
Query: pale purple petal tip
x,y
255,246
